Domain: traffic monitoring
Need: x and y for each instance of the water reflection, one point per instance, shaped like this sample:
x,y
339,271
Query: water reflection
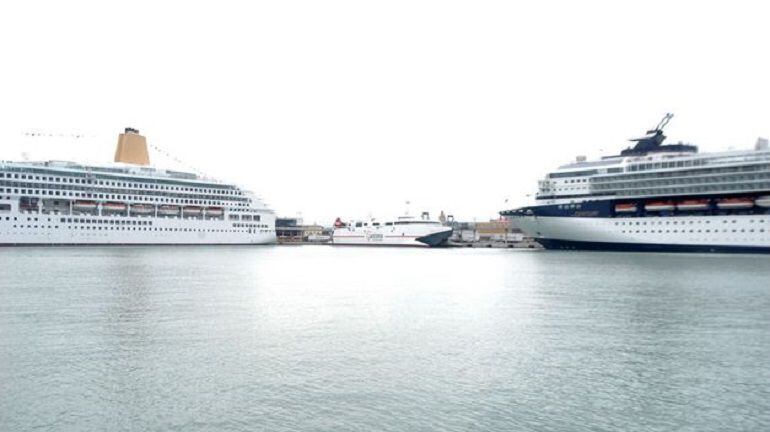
x,y
287,338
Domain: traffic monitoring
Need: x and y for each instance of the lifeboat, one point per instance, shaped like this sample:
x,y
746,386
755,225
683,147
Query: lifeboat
x,y
735,203
168,210
114,207
693,205
214,211
84,205
763,201
657,206
625,208
142,209
191,211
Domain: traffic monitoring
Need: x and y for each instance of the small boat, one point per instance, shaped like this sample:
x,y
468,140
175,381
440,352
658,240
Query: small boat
x,y
657,206
214,211
763,201
114,207
168,210
192,211
735,203
625,208
142,209
84,205
693,205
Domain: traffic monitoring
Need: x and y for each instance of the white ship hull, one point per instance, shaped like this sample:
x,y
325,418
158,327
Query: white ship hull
x,y
41,229
728,233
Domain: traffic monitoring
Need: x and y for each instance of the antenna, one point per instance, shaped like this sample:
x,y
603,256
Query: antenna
x,y
663,122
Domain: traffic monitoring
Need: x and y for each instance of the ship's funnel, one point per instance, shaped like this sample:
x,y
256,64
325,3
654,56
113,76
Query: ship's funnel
x,y
132,148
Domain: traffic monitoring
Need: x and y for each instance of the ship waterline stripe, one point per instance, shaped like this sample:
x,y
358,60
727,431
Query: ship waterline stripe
x,y
387,236
649,247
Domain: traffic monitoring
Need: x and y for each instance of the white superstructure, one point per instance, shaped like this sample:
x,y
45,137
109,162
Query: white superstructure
x,y
53,202
656,197
403,231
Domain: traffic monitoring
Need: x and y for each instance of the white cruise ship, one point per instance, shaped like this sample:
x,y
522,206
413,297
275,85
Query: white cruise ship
x,y
403,231
129,202
655,197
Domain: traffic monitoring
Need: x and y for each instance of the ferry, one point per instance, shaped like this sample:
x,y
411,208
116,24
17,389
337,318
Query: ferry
x,y
128,202
403,231
655,197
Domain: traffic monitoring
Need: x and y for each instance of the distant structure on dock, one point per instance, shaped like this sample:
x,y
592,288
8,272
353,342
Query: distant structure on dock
x,y
500,233
291,230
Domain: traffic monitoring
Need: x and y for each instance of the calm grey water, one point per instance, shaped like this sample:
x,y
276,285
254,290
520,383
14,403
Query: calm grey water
x,y
338,339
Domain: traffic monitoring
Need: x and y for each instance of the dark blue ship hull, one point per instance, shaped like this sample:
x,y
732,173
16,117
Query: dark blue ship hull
x,y
648,247
606,209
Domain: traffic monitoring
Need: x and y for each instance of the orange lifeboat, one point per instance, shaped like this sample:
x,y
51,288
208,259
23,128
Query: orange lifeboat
x,y
114,207
693,205
142,209
84,205
625,208
191,211
735,203
657,206
214,211
168,210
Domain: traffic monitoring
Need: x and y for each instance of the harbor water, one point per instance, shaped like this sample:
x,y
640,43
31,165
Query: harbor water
x,y
364,338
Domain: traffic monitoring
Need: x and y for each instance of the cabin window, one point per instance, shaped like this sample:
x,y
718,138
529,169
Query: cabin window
x,y
388,223
359,224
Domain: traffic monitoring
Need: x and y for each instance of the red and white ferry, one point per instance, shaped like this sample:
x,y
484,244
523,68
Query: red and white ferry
x,y
403,231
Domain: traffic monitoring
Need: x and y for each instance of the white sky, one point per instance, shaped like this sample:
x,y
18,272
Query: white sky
x,y
351,108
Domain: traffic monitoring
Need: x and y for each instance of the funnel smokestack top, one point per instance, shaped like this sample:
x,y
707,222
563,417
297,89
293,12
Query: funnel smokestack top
x,y
132,148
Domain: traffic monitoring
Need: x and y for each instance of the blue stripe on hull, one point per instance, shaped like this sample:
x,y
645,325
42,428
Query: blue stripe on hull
x,y
648,247
435,239
605,207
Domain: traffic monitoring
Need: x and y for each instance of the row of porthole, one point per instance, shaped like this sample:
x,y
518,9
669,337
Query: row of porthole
x,y
117,197
661,222
690,231
104,221
685,222
109,221
126,184
113,228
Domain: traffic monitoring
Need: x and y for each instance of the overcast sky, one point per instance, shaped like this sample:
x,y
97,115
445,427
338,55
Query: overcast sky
x,y
352,108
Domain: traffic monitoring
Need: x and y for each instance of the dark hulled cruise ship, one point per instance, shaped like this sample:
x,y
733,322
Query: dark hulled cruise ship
x,y
655,197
